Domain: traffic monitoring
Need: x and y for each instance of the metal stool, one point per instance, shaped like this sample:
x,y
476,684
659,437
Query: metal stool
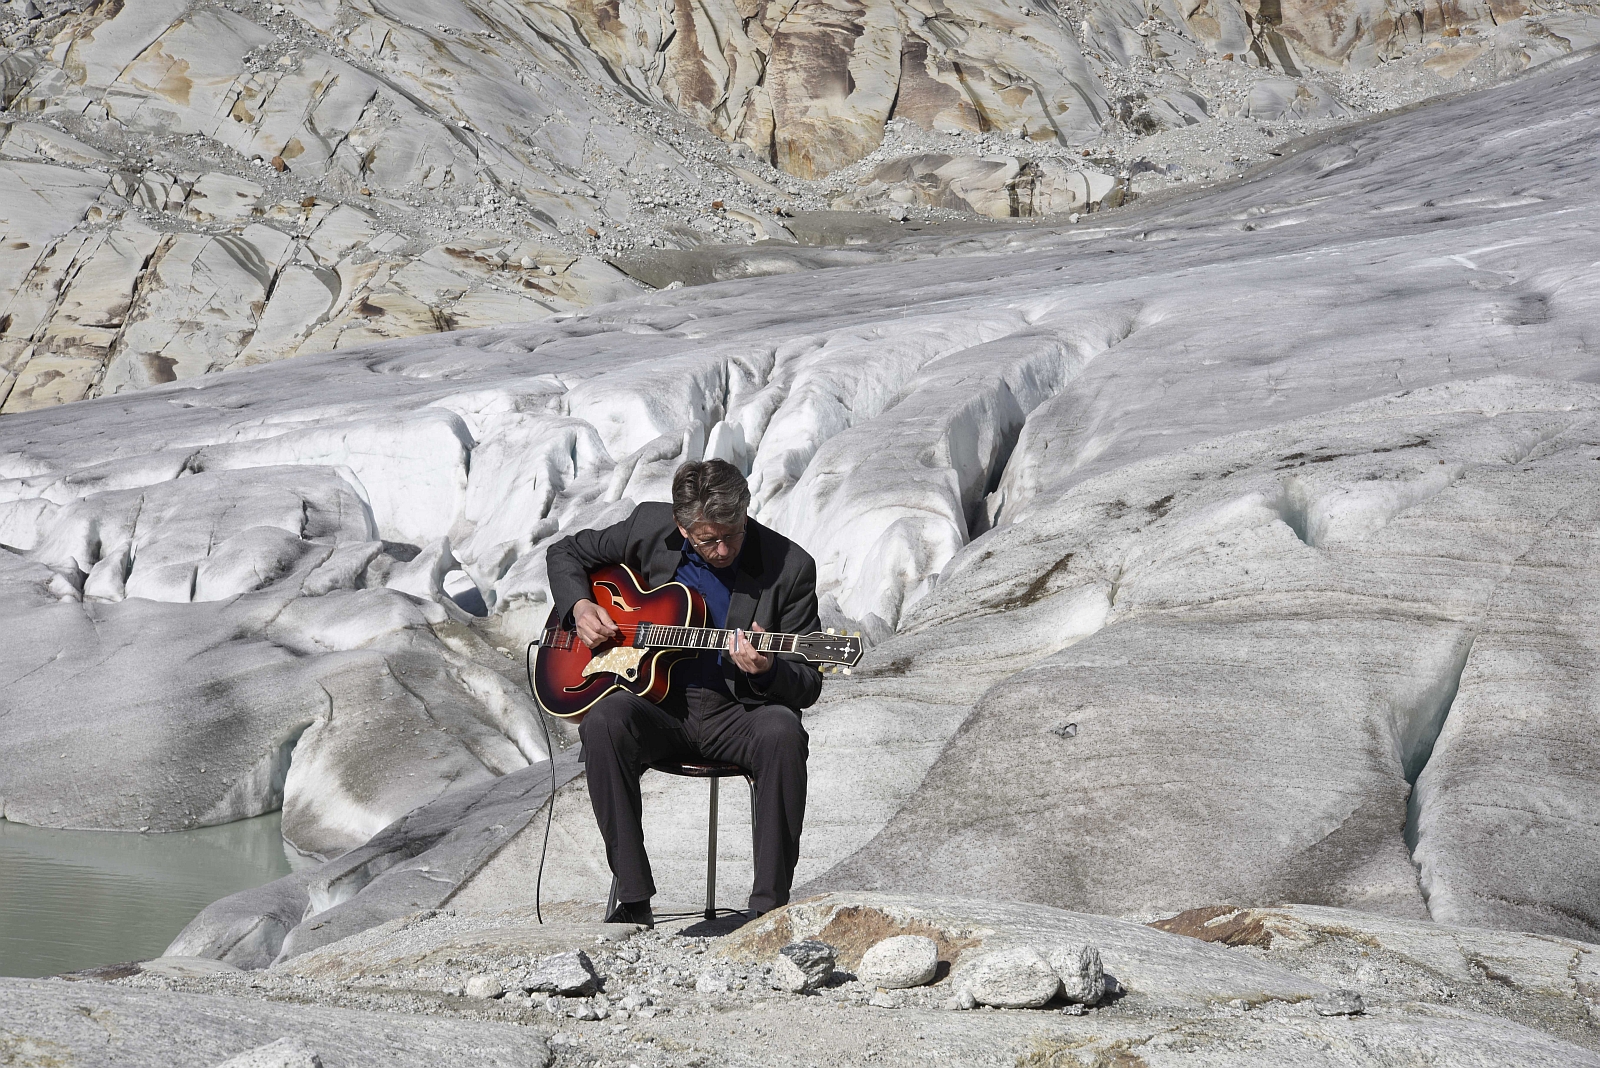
x,y
714,771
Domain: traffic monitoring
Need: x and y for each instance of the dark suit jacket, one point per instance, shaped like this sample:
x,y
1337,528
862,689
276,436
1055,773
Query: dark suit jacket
x,y
776,586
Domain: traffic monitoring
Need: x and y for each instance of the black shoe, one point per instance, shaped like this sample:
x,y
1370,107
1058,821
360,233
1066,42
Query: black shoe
x,y
633,912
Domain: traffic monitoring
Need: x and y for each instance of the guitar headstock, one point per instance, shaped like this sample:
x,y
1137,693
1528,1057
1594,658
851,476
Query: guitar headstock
x,y
834,650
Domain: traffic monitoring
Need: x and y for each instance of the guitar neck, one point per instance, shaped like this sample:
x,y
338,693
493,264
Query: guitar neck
x,y
657,636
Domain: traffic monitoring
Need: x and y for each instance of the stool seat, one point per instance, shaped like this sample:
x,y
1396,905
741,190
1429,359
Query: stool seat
x,y
700,769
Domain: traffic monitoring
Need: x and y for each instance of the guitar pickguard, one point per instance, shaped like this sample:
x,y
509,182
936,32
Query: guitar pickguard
x,y
622,660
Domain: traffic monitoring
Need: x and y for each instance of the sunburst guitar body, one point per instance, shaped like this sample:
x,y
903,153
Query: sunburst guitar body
x,y
660,629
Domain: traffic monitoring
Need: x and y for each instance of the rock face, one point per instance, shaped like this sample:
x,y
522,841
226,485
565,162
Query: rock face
x,y
999,187
900,962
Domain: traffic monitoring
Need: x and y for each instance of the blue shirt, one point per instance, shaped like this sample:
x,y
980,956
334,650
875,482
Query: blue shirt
x,y
715,584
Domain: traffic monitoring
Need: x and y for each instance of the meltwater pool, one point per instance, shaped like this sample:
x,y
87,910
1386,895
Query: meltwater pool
x,y
74,899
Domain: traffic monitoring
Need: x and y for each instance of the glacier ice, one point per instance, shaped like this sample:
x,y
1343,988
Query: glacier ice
x,y
1239,482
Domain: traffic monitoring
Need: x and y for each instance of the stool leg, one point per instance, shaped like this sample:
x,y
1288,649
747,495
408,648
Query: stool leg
x,y
751,782
711,857
611,898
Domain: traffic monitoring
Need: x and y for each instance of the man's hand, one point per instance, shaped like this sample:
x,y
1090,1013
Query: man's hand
x,y
745,655
593,624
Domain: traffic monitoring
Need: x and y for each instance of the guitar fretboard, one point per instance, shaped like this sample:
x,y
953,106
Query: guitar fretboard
x,y
659,636
656,636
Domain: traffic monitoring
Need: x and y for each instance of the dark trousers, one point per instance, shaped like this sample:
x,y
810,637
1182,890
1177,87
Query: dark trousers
x,y
623,734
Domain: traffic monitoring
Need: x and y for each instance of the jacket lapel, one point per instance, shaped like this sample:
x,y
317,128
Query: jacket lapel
x,y
747,583
665,557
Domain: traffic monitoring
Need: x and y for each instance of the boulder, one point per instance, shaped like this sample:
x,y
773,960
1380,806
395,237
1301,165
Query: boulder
x,y
1082,975
485,986
802,967
571,974
899,962
1014,978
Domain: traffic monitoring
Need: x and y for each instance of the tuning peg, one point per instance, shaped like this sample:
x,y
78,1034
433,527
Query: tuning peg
x,y
845,670
830,630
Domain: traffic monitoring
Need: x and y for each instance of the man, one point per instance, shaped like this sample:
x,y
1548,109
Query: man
x,y
738,705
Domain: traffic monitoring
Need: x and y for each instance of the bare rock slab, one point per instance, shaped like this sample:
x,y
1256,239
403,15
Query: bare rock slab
x,y
90,1025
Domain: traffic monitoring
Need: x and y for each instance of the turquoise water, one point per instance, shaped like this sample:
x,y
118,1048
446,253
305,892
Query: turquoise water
x,y
74,899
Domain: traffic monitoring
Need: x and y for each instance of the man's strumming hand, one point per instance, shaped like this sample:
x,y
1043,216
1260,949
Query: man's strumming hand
x,y
745,655
593,624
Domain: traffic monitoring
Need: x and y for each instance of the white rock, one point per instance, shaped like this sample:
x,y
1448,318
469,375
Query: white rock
x,y
962,1000
899,962
715,981
484,986
1014,978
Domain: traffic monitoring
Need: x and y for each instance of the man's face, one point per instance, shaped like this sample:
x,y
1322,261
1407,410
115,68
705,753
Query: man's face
x,y
718,544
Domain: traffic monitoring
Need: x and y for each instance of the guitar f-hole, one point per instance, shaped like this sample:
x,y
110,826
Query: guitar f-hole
x,y
616,595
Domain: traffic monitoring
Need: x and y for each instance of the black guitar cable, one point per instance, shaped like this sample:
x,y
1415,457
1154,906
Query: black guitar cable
x,y
550,806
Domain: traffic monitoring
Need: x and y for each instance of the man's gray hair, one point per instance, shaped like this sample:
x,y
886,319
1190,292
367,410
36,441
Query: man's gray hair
x,y
709,491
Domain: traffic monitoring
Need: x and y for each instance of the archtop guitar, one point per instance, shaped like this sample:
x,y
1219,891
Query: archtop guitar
x,y
659,629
